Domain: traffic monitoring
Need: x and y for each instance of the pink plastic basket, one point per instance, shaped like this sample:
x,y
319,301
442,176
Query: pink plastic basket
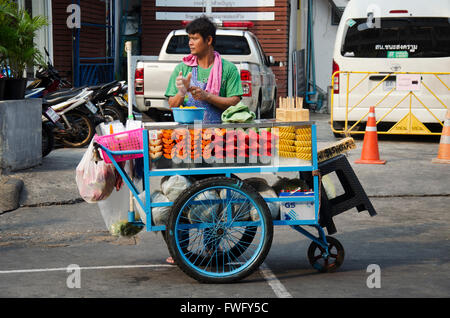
x,y
126,140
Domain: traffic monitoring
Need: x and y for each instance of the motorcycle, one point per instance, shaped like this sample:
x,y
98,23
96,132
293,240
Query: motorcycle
x,y
120,99
48,78
48,140
108,111
73,128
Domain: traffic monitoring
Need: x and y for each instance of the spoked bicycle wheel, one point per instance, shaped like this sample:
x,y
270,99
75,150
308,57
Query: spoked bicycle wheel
x,y
220,230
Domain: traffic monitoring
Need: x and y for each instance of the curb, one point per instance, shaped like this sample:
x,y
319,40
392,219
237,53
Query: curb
x,y
10,189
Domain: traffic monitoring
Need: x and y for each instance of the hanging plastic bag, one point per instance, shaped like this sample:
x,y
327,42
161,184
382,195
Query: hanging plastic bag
x,y
95,178
115,208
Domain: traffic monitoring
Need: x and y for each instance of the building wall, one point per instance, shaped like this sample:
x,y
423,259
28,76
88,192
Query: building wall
x,y
93,39
273,35
324,38
62,39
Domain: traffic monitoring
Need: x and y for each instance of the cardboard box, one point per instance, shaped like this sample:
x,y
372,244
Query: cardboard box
x,y
297,210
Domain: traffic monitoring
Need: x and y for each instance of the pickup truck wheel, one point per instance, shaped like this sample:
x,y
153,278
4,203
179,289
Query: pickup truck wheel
x,y
271,113
159,115
258,108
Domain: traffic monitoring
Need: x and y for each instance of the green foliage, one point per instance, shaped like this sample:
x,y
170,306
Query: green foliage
x,y
17,32
7,9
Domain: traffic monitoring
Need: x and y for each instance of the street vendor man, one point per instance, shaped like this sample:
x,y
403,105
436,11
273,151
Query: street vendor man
x,y
204,78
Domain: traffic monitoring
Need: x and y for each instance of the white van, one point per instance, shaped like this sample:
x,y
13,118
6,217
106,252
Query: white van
x,y
394,55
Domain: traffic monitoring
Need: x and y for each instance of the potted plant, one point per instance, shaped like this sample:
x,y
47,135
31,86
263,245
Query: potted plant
x,y
6,16
19,51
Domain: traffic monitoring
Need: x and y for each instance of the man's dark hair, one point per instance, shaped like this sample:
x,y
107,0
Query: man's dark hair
x,y
204,27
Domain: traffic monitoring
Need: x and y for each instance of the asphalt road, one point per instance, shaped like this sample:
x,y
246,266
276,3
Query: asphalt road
x,y
401,252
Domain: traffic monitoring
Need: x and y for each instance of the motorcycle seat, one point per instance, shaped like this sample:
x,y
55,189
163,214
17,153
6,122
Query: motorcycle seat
x,y
102,86
59,99
110,84
64,92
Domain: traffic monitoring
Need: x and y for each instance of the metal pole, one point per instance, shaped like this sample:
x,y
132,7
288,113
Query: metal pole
x,y
128,47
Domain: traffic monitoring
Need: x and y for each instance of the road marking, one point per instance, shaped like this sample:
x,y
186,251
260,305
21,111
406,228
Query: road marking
x,y
273,282
278,288
38,270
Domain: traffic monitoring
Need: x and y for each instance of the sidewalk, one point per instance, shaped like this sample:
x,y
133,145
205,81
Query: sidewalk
x,y
54,181
407,172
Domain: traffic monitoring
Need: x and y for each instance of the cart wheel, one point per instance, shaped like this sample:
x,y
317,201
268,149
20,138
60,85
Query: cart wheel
x,y
219,230
326,263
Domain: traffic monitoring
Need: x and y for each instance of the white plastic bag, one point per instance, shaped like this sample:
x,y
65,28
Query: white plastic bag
x,y
115,208
265,191
173,186
239,213
95,179
160,215
206,212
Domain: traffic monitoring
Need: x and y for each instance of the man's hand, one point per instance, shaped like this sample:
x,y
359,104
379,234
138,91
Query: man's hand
x,y
198,93
183,83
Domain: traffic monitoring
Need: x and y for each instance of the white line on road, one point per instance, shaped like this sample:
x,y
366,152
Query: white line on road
x,y
82,268
273,282
278,288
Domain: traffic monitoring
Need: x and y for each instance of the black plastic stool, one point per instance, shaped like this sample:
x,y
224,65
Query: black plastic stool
x,y
354,195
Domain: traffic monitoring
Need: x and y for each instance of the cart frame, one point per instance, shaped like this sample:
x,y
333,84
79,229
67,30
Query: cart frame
x,y
320,240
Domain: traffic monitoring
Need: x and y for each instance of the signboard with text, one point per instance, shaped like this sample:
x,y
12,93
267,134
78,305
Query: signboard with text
x,y
215,3
228,16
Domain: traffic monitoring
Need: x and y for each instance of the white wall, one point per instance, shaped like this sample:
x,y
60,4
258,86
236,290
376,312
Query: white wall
x,y
324,37
44,36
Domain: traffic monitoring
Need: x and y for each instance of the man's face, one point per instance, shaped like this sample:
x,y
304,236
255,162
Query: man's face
x,y
198,45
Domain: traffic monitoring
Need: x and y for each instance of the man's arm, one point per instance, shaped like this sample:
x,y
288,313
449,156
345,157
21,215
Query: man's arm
x,y
220,102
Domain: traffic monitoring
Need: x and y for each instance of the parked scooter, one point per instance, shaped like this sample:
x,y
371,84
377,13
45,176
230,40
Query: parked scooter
x,y
76,128
108,111
120,100
48,78
47,129
48,140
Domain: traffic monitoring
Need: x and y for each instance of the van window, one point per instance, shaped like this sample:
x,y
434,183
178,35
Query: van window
x,y
225,45
398,38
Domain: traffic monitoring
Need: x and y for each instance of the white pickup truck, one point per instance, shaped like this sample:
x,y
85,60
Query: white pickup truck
x,y
238,46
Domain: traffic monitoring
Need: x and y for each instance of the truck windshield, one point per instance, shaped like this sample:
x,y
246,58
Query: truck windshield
x,y
225,45
397,38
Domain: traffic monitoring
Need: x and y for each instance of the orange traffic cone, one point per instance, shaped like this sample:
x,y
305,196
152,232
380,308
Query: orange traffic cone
x,y
370,145
443,155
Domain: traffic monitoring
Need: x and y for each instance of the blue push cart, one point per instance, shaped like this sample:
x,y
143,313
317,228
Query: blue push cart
x,y
220,229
